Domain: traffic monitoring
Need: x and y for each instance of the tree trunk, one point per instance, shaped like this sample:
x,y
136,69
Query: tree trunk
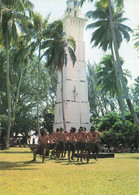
x,y
119,89
104,103
0,12
8,94
62,101
38,93
112,105
134,115
101,107
17,95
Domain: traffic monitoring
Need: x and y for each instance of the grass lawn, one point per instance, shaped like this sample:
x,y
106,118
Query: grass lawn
x,y
107,176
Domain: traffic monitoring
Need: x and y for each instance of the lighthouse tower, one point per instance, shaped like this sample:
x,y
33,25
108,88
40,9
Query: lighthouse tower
x,y
75,89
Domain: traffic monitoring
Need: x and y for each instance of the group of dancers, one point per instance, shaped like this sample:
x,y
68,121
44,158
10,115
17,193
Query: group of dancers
x,y
80,144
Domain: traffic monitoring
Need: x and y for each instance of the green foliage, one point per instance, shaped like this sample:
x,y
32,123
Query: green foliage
x,y
3,97
4,121
108,121
14,13
137,38
113,131
48,121
93,94
23,61
24,124
106,79
119,135
99,100
135,92
101,35
129,116
58,46
94,120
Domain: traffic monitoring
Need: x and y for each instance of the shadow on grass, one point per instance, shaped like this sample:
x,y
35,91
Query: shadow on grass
x,y
56,159
14,152
128,157
78,163
60,160
21,165
66,162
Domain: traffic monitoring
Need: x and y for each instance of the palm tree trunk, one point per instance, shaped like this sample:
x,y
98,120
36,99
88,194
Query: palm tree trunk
x,y
104,103
0,12
134,115
62,101
17,95
8,94
38,93
112,105
101,107
119,89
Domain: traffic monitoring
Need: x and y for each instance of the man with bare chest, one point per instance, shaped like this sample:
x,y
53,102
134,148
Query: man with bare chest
x,y
80,142
70,142
93,138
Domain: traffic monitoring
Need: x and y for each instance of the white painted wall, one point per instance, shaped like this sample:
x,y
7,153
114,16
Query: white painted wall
x,y
75,92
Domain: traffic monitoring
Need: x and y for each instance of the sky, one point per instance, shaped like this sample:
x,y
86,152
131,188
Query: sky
x,y
127,50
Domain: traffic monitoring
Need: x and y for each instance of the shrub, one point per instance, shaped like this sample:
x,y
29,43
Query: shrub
x,y
114,133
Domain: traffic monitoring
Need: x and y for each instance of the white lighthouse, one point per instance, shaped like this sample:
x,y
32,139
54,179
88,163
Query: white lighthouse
x,y
75,88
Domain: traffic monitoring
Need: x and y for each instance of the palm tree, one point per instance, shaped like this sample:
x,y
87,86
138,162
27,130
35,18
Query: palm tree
x,y
107,81
102,2
59,46
94,94
36,29
135,91
115,43
106,78
102,37
22,55
137,38
13,14
1,8
92,90
104,40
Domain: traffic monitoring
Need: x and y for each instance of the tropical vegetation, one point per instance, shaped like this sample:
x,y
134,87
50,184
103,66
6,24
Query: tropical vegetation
x,y
33,51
